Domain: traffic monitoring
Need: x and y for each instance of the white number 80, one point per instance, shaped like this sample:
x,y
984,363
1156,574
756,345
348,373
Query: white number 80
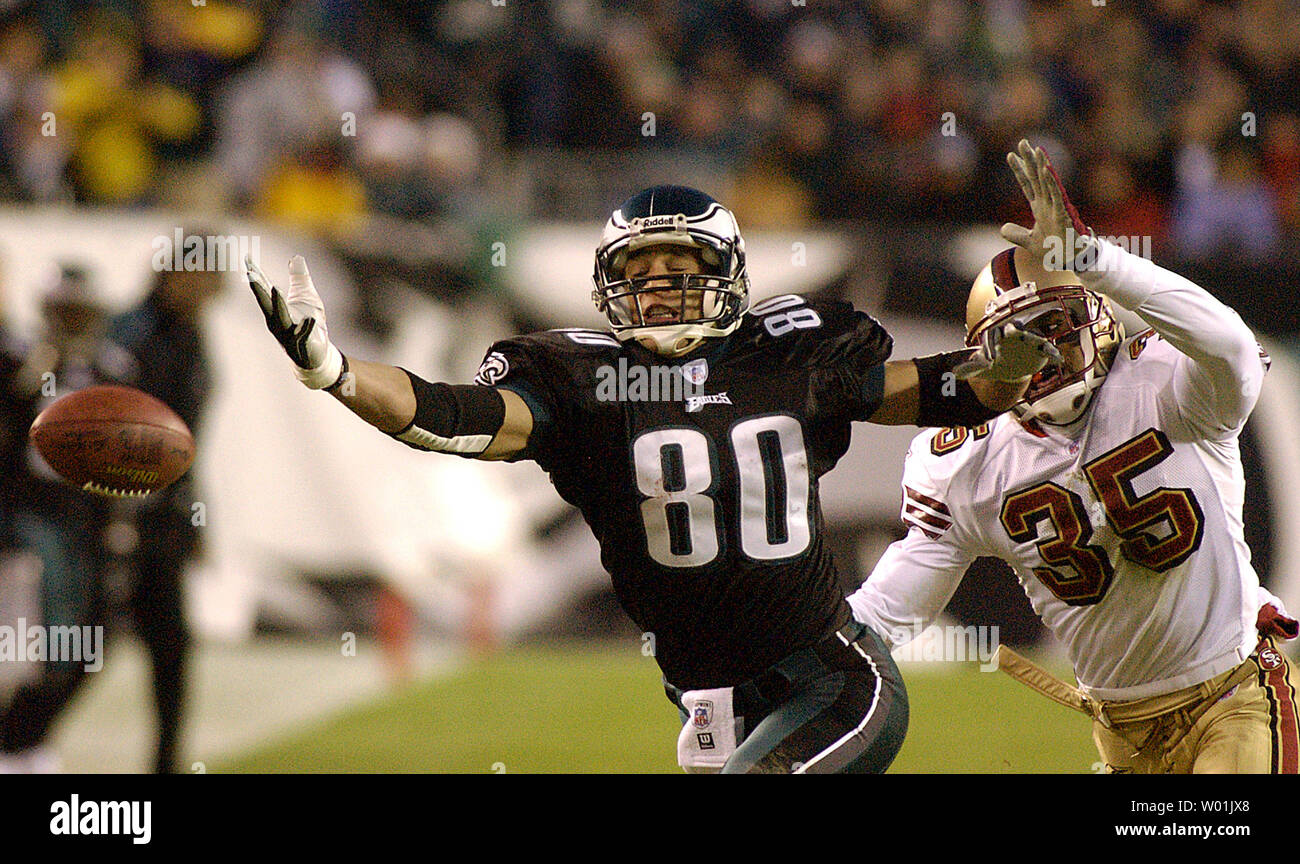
x,y
681,526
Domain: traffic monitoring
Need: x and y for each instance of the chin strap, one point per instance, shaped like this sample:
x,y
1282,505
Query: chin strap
x,y
670,344
685,345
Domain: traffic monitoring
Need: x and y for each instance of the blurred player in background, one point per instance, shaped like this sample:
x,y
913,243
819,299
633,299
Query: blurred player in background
x,y
706,508
40,514
1114,490
163,334
79,538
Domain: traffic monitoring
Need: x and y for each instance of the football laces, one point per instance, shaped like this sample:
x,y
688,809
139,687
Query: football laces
x,y
96,488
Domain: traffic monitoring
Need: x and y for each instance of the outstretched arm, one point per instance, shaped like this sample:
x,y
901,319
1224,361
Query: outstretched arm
x,y
468,420
379,394
905,401
1221,381
385,397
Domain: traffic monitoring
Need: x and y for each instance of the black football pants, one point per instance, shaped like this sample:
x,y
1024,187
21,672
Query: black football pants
x,y
838,708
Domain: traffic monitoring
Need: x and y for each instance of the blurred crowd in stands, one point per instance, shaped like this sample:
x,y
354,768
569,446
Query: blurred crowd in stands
x,y
1173,119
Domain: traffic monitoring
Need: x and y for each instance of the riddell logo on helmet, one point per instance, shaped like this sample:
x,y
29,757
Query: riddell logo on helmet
x,y
655,222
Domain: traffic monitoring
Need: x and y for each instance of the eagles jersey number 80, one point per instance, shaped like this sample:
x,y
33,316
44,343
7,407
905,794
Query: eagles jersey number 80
x,y
674,472
706,506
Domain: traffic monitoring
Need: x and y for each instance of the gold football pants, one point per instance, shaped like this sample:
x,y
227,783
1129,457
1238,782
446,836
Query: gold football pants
x,y
1252,729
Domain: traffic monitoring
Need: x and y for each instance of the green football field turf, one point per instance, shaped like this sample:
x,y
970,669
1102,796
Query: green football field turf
x,y
601,709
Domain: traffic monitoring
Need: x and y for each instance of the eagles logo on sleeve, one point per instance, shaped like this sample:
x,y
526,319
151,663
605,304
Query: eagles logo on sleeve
x,y
494,368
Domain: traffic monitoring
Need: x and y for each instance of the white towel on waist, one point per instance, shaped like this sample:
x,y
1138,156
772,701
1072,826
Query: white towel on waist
x,y
708,737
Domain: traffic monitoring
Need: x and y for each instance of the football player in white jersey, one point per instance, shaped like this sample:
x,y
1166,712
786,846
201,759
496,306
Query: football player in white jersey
x,y
1114,490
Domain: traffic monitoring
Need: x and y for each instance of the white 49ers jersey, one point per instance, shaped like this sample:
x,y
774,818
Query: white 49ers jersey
x,y
1127,537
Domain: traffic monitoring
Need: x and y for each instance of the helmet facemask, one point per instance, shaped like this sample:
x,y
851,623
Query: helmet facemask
x,y
708,304
1079,324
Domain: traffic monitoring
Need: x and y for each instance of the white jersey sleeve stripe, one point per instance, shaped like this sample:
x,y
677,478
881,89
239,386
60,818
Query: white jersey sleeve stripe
x,y
916,515
925,501
931,517
928,532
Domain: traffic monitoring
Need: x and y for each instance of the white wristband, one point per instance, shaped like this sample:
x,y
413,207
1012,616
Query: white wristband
x,y
326,374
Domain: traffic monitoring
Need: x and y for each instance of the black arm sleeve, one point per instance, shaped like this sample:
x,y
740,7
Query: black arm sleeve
x,y
453,418
944,399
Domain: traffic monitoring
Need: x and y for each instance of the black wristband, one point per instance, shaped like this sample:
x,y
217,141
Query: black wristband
x,y
943,399
453,418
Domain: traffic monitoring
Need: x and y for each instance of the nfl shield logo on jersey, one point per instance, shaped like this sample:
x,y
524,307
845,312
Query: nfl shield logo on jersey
x,y
696,372
703,714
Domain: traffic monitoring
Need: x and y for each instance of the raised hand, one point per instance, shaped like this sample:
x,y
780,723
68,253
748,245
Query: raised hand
x,y
298,323
1059,234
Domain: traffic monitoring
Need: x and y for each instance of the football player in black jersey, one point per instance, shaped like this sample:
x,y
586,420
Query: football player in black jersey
x,y
691,435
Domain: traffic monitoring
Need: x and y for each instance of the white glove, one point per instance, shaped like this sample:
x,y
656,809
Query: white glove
x,y
298,324
1009,353
1059,235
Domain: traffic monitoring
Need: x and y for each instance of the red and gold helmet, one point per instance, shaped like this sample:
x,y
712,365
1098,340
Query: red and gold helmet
x,y
1015,289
